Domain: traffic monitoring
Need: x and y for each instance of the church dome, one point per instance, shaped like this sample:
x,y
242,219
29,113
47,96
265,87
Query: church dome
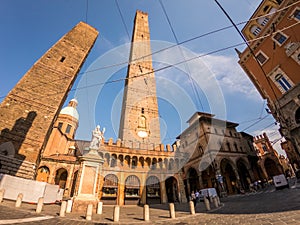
x,y
71,109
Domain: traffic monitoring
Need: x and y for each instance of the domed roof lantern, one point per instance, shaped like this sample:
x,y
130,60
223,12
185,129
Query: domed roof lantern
x,y
71,109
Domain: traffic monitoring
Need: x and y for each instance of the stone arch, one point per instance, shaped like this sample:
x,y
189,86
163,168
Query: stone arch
x,y
121,159
208,175
148,162
153,190
107,158
193,179
154,164
61,177
134,162
43,173
271,168
160,163
166,162
127,160
113,160
243,171
171,184
132,190
229,176
110,189
142,161
171,164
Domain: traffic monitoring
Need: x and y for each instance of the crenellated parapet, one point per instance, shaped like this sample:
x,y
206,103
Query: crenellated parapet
x,y
142,146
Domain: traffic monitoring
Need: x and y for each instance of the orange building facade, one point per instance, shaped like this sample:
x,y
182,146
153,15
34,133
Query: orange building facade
x,y
272,62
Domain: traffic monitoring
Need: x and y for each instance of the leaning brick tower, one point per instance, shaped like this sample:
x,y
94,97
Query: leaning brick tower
x,y
29,110
139,125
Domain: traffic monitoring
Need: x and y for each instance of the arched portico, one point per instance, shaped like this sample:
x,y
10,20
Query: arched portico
x,y
245,178
271,168
193,180
229,177
153,190
172,189
61,177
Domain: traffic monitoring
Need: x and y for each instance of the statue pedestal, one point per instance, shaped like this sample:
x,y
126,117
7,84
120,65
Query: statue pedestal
x,y
90,170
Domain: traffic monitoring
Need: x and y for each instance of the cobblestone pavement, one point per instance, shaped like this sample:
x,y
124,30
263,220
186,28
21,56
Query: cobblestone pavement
x,y
267,206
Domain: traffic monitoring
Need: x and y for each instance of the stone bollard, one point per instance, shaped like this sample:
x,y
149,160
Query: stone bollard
x,y
39,206
2,192
63,207
192,207
69,206
89,212
19,200
172,210
99,208
146,213
218,199
116,213
207,204
215,200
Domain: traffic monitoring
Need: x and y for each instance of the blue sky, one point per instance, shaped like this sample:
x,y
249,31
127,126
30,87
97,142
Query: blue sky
x,y
29,28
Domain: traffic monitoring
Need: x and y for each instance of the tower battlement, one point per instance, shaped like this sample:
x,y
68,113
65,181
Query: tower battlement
x,y
141,12
142,146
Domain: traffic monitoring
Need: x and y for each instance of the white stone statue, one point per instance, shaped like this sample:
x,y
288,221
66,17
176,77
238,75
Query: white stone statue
x,y
97,137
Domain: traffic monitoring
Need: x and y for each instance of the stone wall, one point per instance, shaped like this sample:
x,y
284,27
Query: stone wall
x,y
16,167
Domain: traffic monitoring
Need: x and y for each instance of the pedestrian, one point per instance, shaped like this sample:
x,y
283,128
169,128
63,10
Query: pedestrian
x,y
197,196
193,198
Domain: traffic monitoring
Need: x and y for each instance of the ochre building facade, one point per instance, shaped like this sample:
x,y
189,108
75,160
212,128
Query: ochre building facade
x,y
272,62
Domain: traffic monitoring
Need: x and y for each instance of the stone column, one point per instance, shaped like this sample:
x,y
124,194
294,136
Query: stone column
x,y
121,190
143,189
188,186
200,180
69,182
163,192
181,190
91,168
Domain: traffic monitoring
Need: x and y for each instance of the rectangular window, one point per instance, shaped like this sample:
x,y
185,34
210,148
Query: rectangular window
x,y
261,58
62,59
60,124
296,14
280,38
282,80
284,83
68,129
263,21
255,30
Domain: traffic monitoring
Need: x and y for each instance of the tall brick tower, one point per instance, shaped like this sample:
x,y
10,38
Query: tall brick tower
x,y
140,119
28,112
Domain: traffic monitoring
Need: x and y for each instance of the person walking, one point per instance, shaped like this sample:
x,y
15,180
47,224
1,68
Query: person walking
x,y
197,196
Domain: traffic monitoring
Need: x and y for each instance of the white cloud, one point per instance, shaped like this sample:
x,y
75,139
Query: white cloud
x,y
230,75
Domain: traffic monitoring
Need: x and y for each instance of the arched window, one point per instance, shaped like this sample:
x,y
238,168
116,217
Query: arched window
x,y
61,177
142,122
132,186
110,185
153,188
